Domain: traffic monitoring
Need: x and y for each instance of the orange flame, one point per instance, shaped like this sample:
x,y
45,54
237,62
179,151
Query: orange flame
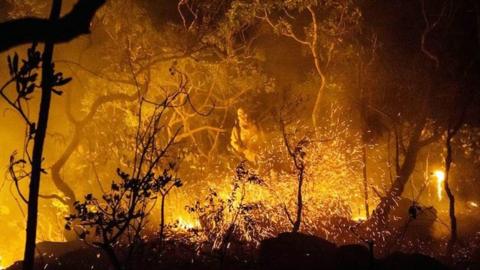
x,y
440,175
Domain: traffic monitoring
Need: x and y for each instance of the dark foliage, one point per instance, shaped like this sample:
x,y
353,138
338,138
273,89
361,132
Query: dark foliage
x,y
27,30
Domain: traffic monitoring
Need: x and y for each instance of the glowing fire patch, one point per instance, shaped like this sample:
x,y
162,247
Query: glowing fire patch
x,y
359,218
440,175
187,225
473,204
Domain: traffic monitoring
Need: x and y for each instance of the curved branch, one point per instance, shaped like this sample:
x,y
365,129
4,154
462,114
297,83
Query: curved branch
x,y
53,196
79,124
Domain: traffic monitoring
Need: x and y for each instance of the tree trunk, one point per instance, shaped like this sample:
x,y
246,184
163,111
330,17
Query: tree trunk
x,y
58,165
387,203
79,126
162,217
451,132
62,185
363,114
298,219
451,199
365,180
40,132
112,257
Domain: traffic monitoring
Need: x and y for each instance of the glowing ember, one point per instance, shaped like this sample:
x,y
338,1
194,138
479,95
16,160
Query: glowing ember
x,y
440,175
473,204
187,225
359,218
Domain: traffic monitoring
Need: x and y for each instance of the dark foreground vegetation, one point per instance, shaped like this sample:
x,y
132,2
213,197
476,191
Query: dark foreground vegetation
x,y
287,251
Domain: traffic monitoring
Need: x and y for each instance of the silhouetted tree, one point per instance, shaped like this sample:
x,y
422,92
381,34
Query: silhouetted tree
x,y
328,25
455,123
163,186
297,154
230,219
119,216
50,31
411,138
25,78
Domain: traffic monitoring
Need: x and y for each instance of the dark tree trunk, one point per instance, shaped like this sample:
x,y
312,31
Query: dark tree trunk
x,y
113,257
451,198
58,165
451,132
62,185
387,203
79,126
297,156
363,113
40,132
365,180
298,219
162,217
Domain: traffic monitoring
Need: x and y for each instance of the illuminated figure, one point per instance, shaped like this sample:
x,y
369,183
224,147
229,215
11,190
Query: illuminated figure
x,y
245,136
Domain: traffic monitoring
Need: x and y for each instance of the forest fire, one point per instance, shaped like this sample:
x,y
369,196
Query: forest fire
x,y
359,217
186,224
440,179
239,134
